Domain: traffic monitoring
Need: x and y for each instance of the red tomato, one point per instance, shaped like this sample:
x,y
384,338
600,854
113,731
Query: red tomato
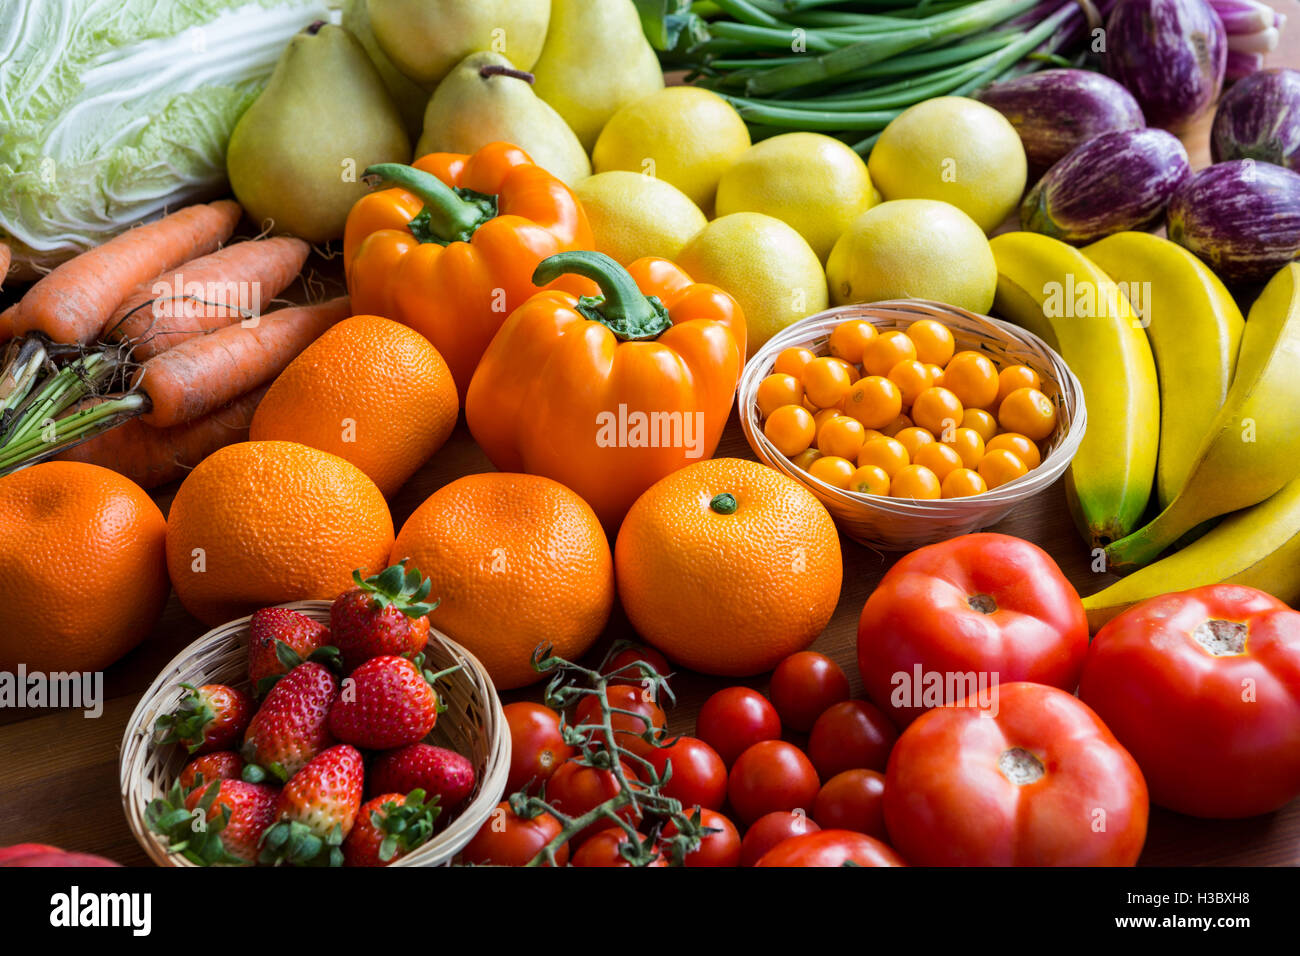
x,y
852,735
954,617
536,745
853,800
770,829
510,840
699,776
715,849
1203,688
771,775
1038,782
803,686
627,729
734,719
634,675
831,848
603,850
574,789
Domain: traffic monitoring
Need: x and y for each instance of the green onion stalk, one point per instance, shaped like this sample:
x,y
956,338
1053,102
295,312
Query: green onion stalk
x,y
788,65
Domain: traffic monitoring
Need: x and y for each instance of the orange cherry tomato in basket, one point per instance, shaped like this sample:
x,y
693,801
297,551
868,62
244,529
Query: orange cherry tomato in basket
x,y
938,410
912,378
933,341
914,439
963,483
915,481
790,428
973,378
1016,376
897,425
826,381
887,454
1001,466
874,401
979,604
777,390
980,421
850,339
792,361
1018,445
805,458
941,459
885,351
869,480
968,444
841,436
1029,412
833,470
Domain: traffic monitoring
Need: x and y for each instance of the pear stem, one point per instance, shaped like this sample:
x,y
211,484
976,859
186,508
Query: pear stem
x,y
496,69
621,306
450,218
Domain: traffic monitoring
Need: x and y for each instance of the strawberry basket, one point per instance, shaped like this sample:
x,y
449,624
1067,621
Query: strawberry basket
x,y
473,725
902,524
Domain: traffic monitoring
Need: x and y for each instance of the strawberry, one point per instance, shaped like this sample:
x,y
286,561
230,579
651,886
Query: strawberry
x,y
291,726
382,615
389,827
279,640
316,810
223,765
215,824
443,773
386,702
209,718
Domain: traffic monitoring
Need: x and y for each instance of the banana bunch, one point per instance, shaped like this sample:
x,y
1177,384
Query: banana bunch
x,y
1184,400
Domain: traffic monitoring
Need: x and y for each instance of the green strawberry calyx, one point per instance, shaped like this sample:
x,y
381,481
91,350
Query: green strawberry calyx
x,y
186,723
190,832
327,654
399,587
296,843
406,825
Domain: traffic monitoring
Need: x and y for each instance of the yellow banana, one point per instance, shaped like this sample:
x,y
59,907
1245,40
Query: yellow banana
x,y
1253,445
1194,328
1056,292
1257,546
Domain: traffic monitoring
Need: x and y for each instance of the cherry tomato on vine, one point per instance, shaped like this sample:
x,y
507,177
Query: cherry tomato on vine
x,y
506,839
772,828
715,849
850,735
699,776
575,789
771,775
537,746
627,729
628,657
603,850
803,686
734,719
853,800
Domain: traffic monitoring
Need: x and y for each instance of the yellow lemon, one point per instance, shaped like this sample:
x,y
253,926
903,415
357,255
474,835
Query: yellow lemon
x,y
767,266
634,215
917,249
813,183
956,150
682,134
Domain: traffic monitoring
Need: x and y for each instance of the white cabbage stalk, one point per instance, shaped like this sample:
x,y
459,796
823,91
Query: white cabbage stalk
x,y
112,111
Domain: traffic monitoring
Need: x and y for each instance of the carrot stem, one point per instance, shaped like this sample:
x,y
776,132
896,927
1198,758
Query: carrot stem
x,y
70,430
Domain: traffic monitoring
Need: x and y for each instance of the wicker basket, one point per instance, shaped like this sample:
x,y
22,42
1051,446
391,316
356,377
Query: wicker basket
x,y
897,524
472,725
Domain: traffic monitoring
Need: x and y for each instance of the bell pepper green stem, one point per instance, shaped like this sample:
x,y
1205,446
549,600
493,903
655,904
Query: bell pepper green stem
x,y
447,216
621,307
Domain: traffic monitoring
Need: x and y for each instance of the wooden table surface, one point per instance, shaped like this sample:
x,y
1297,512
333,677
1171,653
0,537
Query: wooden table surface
x,y
59,770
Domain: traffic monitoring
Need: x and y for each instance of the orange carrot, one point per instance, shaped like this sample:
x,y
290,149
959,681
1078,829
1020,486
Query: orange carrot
x,y
205,372
73,302
4,262
155,456
7,323
206,294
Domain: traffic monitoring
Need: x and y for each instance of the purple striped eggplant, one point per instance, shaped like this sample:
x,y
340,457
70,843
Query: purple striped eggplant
x,y
1056,110
1170,54
1113,182
1259,118
1241,217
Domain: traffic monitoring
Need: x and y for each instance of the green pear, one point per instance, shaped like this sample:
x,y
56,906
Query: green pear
x,y
483,100
296,155
410,97
426,38
596,59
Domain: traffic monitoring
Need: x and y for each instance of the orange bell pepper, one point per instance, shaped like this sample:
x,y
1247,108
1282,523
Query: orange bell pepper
x,y
608,394
451,250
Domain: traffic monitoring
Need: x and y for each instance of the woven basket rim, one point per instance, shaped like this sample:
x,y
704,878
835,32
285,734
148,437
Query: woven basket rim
x,y
975,511
138,788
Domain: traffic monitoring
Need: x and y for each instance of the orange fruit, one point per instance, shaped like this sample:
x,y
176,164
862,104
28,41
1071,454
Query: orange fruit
x,y
850,339
981,422
1016,376
887,454
885,351
962,483
915,481
1028,412
912,378
265,522
869,480
792,361
912,439
370,390
973,378
826,380
968,443
1000,466
933,341
776,390
515,561
83,567
938,410
940,459
728,566
1018,445
790,428
841,436
833,470
874,401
